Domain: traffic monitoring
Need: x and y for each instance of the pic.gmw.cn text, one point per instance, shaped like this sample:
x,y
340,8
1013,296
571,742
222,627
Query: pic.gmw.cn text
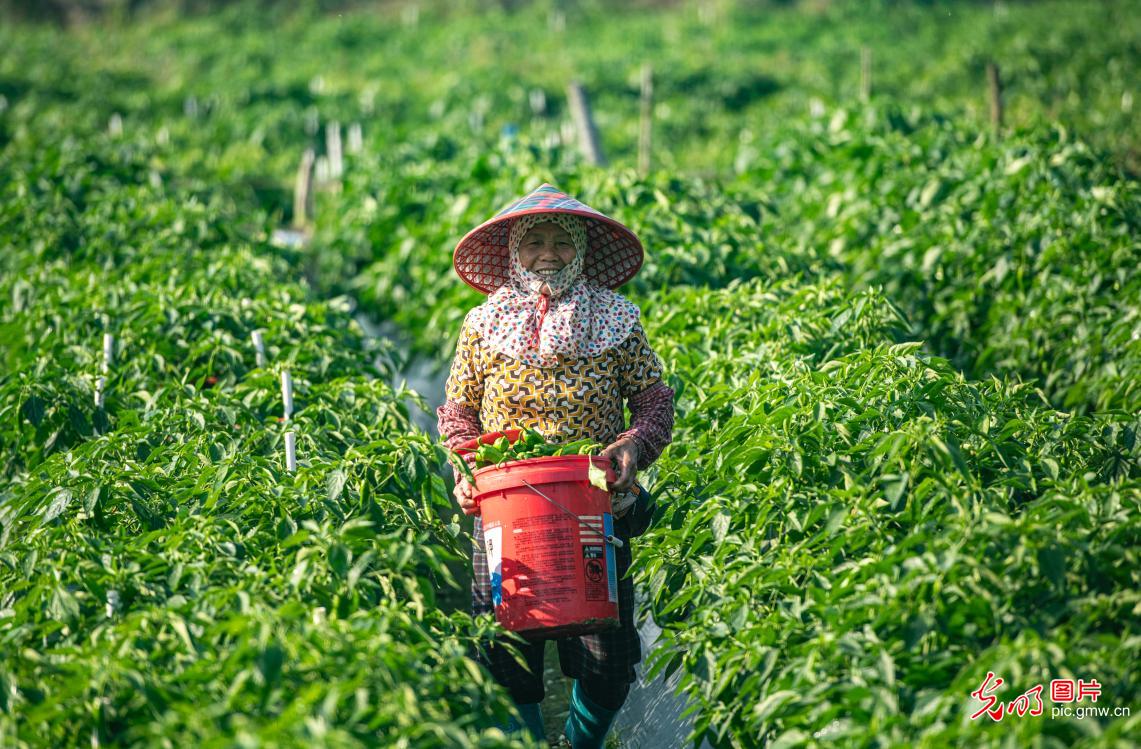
x,y
1064,694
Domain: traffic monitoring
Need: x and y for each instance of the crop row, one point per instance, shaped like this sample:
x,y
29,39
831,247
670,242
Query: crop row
x,y
853,533
163,579
1014,256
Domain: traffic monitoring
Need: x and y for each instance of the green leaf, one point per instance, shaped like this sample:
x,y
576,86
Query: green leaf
x,y
63,605
269,663
720,526
597,476
836,520
894,491
335,483
59,503
92,499
339,559
768,707
33,409
1052,563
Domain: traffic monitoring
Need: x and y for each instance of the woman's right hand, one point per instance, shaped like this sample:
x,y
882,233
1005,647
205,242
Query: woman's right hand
x,y
463,494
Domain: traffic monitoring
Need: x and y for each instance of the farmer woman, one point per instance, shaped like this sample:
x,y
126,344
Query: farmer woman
x,y
555,349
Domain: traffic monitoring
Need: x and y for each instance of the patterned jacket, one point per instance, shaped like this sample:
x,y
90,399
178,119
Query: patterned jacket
x,y
488,391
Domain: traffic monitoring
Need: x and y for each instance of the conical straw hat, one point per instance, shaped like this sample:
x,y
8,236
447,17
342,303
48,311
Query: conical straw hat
x,y
613,255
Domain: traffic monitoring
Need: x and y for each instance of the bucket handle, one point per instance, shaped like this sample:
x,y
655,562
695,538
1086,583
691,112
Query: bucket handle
x,y
610,538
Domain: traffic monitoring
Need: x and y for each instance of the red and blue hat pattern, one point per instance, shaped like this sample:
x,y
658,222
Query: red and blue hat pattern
x,y
549,198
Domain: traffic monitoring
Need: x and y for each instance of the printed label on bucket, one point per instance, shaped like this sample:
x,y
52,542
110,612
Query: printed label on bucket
x,y
493,542
594,572
611,564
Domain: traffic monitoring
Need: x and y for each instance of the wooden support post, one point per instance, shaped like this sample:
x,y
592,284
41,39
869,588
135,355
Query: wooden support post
x,y
865,74
995,84
303,191
584,121
645,132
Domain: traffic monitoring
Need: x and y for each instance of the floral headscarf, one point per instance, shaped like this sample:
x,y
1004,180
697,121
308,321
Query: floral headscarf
x,y
578,319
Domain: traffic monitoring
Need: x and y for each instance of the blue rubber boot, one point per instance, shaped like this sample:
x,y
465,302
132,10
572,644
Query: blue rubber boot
x,y
532,721
588,722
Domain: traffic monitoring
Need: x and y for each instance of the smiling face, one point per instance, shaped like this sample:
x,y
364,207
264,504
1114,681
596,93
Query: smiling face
x,y
546,248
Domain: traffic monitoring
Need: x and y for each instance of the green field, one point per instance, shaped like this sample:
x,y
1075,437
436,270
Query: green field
x,y
906,349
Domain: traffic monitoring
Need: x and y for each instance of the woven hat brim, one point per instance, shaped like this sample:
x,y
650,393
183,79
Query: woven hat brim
x,y
614,253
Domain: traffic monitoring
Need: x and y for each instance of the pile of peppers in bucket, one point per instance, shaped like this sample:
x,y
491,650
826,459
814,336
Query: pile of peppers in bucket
x,y
532,444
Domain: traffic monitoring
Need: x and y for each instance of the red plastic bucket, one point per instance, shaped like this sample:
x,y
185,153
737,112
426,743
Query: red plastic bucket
x,y
552,574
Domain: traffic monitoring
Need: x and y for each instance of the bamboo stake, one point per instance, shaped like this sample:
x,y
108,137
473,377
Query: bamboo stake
x,y
333,147
303,191
865,74
995,84
705,12
645,132
557,21
290,452
410,15
259,348
538,100
584,121
287,410
356,140
312,121
108,357
567,132
287,394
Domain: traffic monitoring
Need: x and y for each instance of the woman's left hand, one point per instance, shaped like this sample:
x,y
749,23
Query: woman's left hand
x,y
624,455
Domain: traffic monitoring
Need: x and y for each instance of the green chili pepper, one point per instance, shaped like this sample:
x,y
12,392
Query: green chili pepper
x,y
531,444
